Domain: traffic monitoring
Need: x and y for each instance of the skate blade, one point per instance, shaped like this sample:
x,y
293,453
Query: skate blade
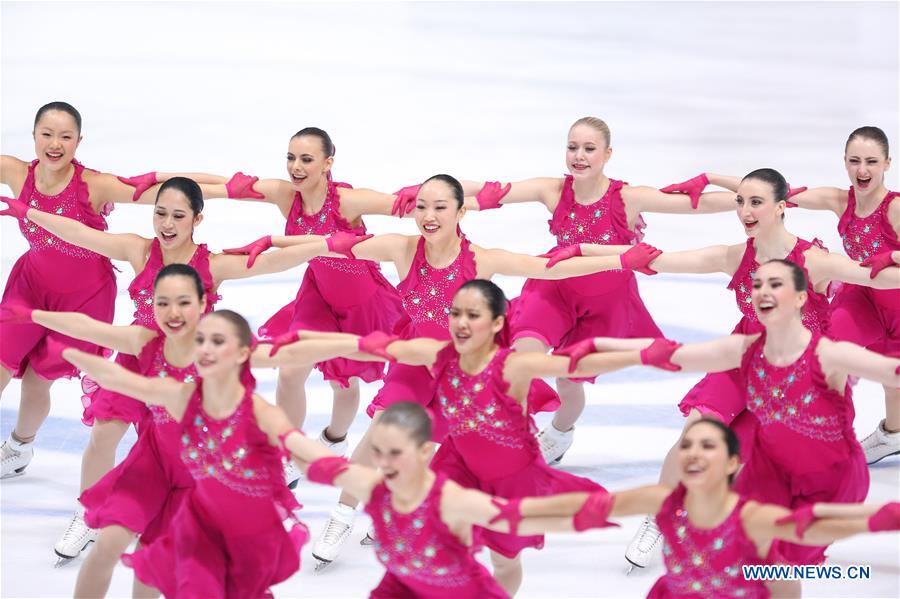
x,y
872,462
62,560
631,567
321,564
367,541
13,474
293,484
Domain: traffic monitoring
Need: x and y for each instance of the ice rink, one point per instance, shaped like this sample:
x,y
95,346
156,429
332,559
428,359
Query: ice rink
x,y
480,91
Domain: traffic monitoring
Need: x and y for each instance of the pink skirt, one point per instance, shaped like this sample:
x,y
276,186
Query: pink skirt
x,y
856,316
392,587
102,404
410,383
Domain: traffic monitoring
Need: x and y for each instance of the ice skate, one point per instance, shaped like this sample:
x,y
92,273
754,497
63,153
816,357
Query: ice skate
x,y
336,532
642,547
369,539
16,456
554,443
877,446
74,540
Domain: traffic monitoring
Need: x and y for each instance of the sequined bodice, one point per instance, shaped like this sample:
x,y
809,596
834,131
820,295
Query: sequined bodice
x,y
706,562
600,222
865,236
159,367
225,450
417,545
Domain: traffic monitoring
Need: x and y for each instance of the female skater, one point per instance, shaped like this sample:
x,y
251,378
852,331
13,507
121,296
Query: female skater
x,y
53,182
227,538
178,210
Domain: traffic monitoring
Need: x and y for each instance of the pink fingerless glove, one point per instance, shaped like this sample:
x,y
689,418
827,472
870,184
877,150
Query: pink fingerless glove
x,y
639,257
692,187
375,343
802,517
576,352
510,510
791,193
595,511
406,200
241,186
557,255
659,353
141,183
879,262
15,207
887,518
342,242
253,249
284,435
282,340
13,312
490,195
325,470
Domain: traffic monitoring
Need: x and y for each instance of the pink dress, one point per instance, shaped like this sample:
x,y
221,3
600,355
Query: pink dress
x,y
45,278
337,295
804,450
721,394
491,445
144,491
227,538
604,304
108,405
705,562
423,558
866,316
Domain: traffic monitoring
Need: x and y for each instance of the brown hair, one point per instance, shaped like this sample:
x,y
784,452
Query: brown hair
x,y
595,123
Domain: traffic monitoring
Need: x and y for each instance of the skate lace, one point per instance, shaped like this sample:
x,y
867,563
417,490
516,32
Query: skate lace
x,y
334,530
546,442
76,530
9,454
649,536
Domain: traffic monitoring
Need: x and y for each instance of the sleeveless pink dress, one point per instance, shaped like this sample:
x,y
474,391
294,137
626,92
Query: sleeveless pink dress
x,y
804,450
722,394
866,316
108,405
227,538
144,491
604,304
44,278
705,562
337,295
491,444
423,558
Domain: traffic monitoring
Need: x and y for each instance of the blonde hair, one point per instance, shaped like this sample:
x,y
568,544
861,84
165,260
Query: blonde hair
x,y
595,123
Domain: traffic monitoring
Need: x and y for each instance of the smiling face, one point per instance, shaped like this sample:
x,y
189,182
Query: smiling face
x,y
774,296
866,164
472,325
176,306
397,455
437,211
757,208
307,163
218,349
173,219
703,457
586,152
56,137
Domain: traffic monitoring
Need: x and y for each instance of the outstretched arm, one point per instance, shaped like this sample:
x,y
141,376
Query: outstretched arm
x,y
503,262
124,339
224,266
545,190
826,266
522,368
827,523
649,199
106,188
717,355
306,351
714,258
844,357
822,198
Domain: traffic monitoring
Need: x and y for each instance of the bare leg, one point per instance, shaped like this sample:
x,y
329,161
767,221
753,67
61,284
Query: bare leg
x,y
571,399
100,453
508,572
5,378
343,411
141,591
362,455
290,394
34,405
96,571
891,409
670,474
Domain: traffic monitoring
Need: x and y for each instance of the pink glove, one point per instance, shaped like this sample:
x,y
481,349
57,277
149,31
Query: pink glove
x,y
376,343
878,262
406,200
325,470
659,353
595,511
16,208
241,186
576,351
509,511
141,183
887,518
283,436
803,517
252,249
559,254
791,193
490,195
692,187
639,257
342,243
282,340
15,313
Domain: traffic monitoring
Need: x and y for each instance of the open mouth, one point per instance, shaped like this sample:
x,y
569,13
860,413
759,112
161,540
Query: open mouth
x,y
462,337
749,225
580,167
430,228
389,475
694,468
863,182
298,179
54,156
205,362
168,236
766,306
175,325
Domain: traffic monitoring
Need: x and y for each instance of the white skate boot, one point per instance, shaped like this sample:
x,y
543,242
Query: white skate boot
x,y
334,535
292,474
75,539
554,443
16,456
877,446
644,544
338,447
369,539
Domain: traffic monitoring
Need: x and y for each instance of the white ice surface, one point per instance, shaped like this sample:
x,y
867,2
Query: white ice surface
x,y
482,91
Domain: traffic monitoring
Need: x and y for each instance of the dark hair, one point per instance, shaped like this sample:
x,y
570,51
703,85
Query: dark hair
x,y
496,299
61,106
454,185
245,335
180,270
773,178
873,133
732,444
798,275
411,417
189,188
327,145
